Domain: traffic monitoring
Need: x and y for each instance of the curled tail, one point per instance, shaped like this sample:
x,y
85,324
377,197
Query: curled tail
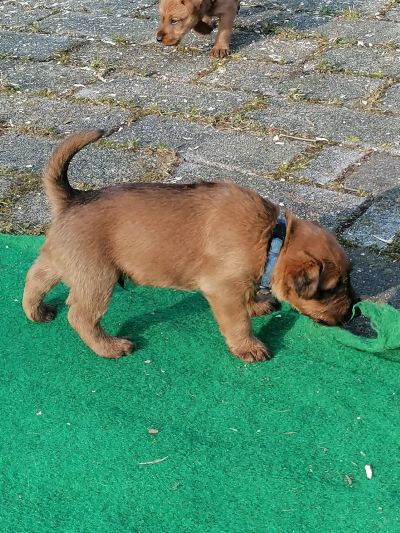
x,y
55,178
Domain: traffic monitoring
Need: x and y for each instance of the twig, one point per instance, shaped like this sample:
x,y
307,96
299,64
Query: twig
x,y
155,461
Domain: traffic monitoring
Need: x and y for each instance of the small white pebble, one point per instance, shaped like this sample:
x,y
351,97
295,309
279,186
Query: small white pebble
x,y
368,471
39,413
147,361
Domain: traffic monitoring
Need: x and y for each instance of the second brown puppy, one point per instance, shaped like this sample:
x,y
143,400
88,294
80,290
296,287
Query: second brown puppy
x,y
211,237
178,17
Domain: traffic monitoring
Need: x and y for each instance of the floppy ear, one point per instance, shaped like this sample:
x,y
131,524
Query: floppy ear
x,y
303,275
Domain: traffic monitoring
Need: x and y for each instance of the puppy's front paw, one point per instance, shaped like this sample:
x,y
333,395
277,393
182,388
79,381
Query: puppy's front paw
x,y
116,348
220,51
251,351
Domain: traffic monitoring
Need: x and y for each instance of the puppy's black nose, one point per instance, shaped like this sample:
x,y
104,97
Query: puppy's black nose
x,y
159,37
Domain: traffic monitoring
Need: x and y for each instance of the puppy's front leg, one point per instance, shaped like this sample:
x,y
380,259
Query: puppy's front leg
x,y
234,322
222,42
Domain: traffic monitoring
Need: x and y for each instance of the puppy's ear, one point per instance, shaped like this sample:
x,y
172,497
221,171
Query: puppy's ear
x,y
303,274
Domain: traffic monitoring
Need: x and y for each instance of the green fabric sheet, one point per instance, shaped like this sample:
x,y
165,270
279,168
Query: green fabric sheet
x,y
278,447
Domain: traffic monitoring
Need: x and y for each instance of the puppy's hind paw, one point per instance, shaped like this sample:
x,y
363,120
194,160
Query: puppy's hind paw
x,y
43,313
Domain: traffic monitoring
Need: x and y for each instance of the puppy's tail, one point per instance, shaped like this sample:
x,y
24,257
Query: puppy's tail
x,y
55,174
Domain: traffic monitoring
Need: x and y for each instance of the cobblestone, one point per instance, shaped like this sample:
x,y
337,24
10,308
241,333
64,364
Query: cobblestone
x,y
33,45
60,116
148,92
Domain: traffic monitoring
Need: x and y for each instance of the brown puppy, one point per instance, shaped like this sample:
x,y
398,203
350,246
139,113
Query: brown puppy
x,y
178,17
211,237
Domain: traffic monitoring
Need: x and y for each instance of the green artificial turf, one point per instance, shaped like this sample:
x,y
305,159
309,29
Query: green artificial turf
x,y
272,447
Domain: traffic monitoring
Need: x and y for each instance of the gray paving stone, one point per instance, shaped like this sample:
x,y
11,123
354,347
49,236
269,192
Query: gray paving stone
x,y
101,26
361,60
377,227
377,175
61,116
253,76
6,184
323,6
255,15
300,22
34,45
366,31
32,210
391,100
327,207
12,16
158,131
148,92
244,153
42,76
394,14
93,166
339,124
330,164
375,277
332,88
165,63
279,50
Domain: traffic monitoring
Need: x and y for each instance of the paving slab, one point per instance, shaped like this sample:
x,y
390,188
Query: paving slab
x,y
245,153
262,78
393,14
29,76
332,6
6,184
391,100
60,116
31,211
327,207
34,45
338,124
93,166
377,227
156,131
359,59
330,164
374,276
377,175
165,63
365,31
107,27
12,16
331,88
148,92
279,50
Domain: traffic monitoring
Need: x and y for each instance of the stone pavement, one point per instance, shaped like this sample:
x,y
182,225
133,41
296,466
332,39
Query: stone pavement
x,y
306,111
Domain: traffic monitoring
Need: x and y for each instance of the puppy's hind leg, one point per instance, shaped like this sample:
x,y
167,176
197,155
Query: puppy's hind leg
x,y
41,278
89,300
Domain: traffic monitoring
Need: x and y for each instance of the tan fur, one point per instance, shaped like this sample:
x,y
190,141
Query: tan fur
x,y
210,237
178,17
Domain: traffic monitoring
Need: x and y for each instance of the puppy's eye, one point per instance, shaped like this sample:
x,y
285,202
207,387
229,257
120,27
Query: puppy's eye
x,y
174,21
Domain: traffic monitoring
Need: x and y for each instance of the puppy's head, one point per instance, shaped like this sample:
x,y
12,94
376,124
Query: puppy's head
x,y
313,273
177,17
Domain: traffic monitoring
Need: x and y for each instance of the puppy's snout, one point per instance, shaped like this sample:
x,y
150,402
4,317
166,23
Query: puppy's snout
x,y
160,36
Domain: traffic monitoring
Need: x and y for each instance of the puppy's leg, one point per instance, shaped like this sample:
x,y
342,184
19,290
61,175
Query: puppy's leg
x,y
231,313
262,304
41,278
205,26
222,41
89,299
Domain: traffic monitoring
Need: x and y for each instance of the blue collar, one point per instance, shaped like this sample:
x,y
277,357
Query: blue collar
x,y
275,245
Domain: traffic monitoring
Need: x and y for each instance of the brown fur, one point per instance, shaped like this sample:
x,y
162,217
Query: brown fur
x,y
178,17
211,237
